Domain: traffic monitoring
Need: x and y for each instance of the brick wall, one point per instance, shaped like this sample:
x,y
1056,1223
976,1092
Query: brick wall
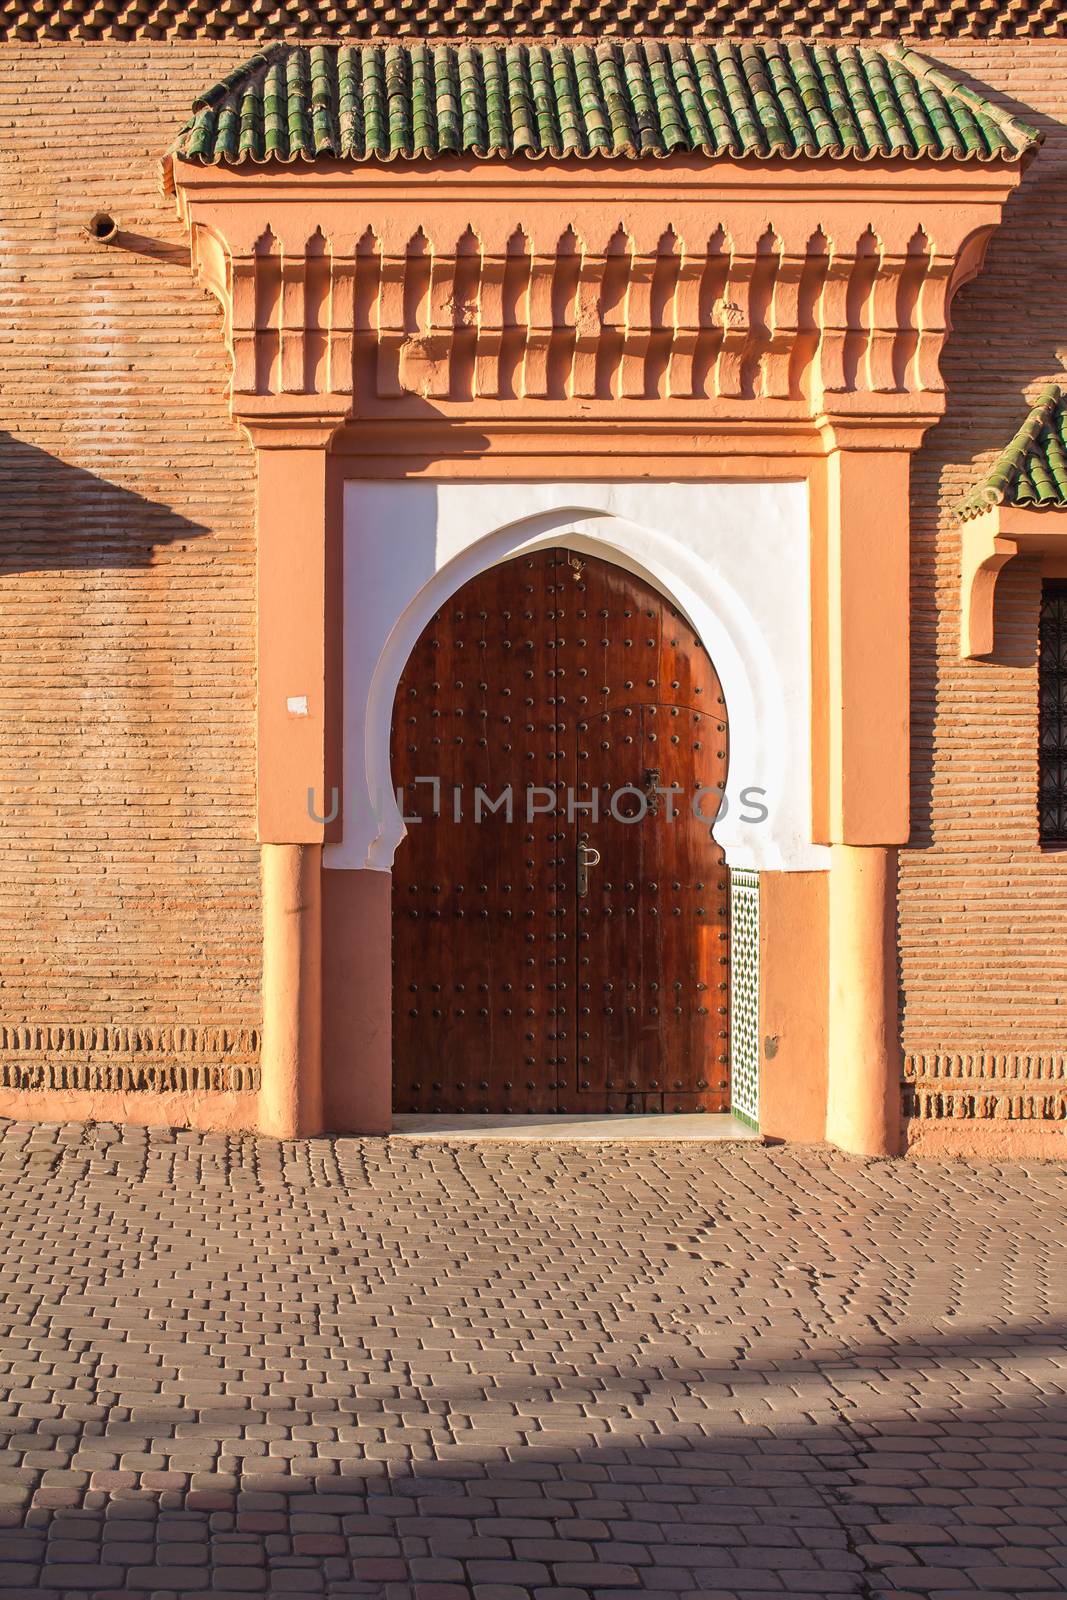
x,y
983,909
129,892
128,870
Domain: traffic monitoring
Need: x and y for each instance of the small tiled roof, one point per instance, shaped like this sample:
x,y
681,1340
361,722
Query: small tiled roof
x,y
1032,471
632,98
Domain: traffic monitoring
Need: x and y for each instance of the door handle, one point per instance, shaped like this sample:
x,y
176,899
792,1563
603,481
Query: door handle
x,y
588,857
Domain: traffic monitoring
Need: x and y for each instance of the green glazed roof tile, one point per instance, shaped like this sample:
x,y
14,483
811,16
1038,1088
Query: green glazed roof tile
x,y
636,99
1032,472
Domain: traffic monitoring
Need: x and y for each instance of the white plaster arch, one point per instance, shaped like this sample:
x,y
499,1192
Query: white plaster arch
x,y
762,660
743,666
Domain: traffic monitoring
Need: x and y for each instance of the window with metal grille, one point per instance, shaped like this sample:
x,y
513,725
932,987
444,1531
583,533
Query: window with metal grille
x,y
1052,681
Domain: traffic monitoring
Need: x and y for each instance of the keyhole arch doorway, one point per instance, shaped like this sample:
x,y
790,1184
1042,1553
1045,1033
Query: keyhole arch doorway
x,y
560,742
766,695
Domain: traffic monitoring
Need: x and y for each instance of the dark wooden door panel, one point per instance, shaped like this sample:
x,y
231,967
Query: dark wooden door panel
x,y
653,926
513,990
474,894
653,929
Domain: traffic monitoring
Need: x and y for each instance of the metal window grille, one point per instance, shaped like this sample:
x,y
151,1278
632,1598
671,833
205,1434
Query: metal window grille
x,y
1052,690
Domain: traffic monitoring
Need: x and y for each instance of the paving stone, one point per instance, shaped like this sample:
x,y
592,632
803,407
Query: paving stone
x,y
500,1372
82,1575
17,1574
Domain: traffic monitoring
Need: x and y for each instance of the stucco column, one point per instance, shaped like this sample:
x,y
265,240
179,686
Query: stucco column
x,y
868,650
866,748
291,640
290,1101
291,657
863,1091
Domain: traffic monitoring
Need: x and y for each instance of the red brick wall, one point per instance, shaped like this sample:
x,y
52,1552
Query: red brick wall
x,y
983,909
129,892
128,870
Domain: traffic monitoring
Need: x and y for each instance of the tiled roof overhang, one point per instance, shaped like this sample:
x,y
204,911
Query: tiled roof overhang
x,y
362,19
1032,471
1006,514
621,99
764,236
759,245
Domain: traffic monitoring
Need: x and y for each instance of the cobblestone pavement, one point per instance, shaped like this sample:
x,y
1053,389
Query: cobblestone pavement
x,y
427,1372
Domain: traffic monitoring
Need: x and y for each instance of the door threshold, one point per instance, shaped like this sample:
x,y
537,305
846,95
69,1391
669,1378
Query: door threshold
x,y
663,1128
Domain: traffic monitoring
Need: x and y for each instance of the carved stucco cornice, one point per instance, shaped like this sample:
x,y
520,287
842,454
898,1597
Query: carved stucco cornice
x,y
800,294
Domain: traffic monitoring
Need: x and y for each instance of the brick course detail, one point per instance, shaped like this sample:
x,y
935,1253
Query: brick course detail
x,y
252,19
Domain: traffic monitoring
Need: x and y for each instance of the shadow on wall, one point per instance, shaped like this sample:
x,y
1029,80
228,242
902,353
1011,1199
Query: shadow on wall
x,y
57,517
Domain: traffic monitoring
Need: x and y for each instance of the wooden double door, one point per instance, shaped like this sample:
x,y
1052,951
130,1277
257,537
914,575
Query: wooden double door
x,y
560,909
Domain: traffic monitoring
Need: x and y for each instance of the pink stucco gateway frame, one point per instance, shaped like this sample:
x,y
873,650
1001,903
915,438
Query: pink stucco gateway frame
x,y
368,314
740,319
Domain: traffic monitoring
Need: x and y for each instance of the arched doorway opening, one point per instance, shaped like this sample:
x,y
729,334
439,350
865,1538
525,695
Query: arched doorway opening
x,y
560,907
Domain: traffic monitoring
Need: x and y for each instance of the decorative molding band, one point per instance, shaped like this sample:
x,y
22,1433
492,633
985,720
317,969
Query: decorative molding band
x,y
452,319
129,1077
975,1104
727,291
138,1059
78,20
987,1067
1006,1086
107,1039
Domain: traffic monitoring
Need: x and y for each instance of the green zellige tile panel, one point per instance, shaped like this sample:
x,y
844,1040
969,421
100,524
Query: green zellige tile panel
x,y
624,98
1032,471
